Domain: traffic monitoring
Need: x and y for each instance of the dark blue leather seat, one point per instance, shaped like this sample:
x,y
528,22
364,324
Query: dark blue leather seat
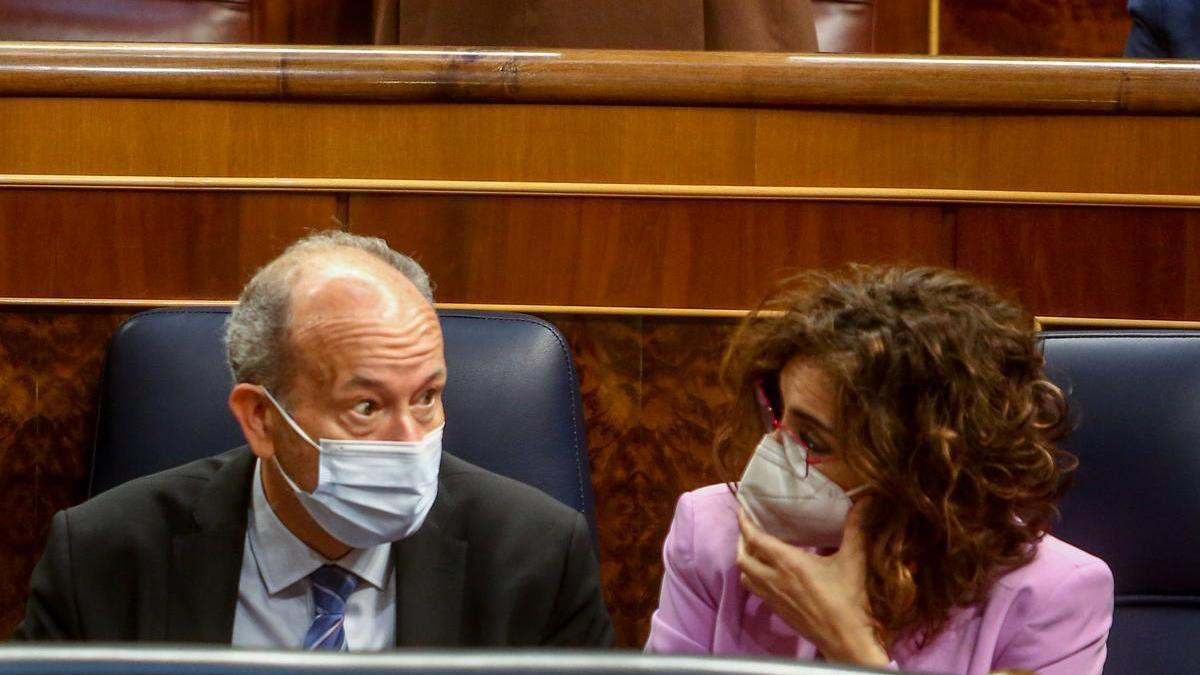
x,y
512,399
1135,502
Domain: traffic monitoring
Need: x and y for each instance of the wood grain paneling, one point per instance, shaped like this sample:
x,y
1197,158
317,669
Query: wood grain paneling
x,y
1119,263
639,252
698,146
651,399
606,251
49,377
1091,28
57,243
607,355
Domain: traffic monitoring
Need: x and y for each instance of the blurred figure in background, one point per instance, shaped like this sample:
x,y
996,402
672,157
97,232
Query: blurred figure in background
x,y
1164,29
725,25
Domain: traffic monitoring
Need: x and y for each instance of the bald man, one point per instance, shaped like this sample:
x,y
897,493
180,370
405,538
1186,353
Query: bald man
x,y
341,525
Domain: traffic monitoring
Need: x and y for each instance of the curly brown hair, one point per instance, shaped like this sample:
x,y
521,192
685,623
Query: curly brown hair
x,y
941,406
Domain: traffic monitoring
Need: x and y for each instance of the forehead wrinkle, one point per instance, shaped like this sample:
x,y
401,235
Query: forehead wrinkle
x,y
336,348
381,339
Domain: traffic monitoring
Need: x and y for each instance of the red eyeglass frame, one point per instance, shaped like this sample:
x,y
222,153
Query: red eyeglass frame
x,y
772,424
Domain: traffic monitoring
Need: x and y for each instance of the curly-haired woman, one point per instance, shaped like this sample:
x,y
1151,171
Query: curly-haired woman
x,y
896,509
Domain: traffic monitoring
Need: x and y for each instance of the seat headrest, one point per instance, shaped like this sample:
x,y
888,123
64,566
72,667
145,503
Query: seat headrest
x,y
512,399
1135,501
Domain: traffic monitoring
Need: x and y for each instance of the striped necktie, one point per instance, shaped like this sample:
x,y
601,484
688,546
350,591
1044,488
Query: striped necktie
x,y
331,585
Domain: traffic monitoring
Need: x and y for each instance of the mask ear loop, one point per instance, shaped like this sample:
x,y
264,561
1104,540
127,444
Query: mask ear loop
x,y
745,508
288,418
300,432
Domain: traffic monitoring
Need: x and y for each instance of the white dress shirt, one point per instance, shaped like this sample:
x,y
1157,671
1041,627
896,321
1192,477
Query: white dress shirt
x,y
275,607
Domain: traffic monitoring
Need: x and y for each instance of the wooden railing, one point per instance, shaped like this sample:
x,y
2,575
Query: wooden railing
x,y
598,77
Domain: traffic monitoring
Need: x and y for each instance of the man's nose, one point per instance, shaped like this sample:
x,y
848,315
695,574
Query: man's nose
x,y
405,427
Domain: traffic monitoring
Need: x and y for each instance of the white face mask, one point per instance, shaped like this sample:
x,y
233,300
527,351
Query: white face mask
x,y
370,492
800,510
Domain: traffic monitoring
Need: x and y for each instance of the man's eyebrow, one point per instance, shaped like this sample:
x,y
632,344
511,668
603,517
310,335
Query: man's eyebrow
x,y
366,381
821,425
439,374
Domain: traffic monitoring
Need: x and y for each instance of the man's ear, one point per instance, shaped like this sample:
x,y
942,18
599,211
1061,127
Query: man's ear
x,y
250,406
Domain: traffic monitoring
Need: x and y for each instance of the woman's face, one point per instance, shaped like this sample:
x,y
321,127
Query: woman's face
x,y
808,410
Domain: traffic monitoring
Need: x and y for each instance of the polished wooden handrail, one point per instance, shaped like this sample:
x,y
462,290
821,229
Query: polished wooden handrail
x,y
597,77
12,304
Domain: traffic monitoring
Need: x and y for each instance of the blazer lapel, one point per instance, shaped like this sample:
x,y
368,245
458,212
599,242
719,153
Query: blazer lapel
x,y
430,567
206,559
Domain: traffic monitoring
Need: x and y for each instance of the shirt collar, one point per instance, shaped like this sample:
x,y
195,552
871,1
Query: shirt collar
x,y
283,559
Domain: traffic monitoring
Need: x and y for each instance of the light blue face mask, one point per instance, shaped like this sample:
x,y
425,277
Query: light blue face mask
x,y
369,492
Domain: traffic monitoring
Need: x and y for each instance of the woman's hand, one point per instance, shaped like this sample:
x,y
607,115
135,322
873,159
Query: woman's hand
x,y
823,598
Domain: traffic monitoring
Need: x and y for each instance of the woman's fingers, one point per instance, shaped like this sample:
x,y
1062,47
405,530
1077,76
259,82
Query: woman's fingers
x,y
821,597
760,544
751,534
751,565
769,559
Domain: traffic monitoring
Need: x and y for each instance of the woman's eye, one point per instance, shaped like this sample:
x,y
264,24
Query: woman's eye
x,y
813,444
365,407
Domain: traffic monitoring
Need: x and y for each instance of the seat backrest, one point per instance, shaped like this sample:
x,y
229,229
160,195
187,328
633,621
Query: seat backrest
x,y
512,399
1135,501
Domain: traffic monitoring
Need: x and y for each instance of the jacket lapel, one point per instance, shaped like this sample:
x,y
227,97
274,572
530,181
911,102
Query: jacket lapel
x,y
206,558
430,567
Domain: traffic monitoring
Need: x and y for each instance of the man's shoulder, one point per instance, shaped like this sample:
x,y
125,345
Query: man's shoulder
x,y
163,496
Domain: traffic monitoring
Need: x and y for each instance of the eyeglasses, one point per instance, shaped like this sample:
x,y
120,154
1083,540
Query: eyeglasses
x,y
794,447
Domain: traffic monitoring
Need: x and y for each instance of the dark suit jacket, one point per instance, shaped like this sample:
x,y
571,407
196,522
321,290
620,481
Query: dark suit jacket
x,y
496,563
1164,29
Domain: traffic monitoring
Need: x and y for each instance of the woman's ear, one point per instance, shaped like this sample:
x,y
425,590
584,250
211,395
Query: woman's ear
x,y
250,406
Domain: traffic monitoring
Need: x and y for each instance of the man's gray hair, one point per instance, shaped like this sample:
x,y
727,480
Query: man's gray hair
x,y
256,333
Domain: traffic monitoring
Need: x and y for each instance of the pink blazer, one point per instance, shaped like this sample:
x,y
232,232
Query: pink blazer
x,y
1051,616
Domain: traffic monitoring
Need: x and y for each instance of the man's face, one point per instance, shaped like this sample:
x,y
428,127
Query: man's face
x,y
367,363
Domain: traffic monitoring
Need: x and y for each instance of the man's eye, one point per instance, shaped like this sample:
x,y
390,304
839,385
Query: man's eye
x,y
427,398
365,407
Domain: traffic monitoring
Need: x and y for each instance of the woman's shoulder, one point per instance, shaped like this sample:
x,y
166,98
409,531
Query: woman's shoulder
x,y
1055,610
1054,562
705,527
1062,586
716,501
1052,614
713,506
